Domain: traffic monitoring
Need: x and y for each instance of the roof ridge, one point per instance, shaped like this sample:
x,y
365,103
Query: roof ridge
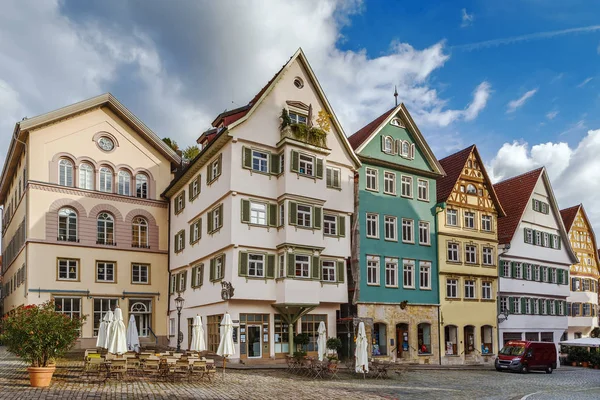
x,y
538,170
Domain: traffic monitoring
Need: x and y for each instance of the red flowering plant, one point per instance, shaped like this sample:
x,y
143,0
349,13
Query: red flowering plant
x,y
39,334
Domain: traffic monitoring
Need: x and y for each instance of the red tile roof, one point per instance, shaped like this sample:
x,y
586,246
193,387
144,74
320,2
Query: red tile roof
x,y
568,216
514,194
453,166
363,134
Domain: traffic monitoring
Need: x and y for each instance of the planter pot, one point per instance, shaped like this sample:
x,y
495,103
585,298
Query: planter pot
x,y
584,364
40,376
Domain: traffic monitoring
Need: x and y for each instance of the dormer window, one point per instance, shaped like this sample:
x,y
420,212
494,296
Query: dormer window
x,y
471,189
297,118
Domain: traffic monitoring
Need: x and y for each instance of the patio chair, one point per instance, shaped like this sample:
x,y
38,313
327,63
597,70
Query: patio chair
x,y
133,366
317,369
145,356
210,369
181,369
117,368
291,363
90,351
151,367
198,369
332,370
93,366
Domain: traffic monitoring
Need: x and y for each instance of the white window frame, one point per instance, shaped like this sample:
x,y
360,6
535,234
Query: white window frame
x,y
373,270
390,225
423,184
86,176
258,213
307,217
518,270
372,219
424,232
469,217
68,266
469,286
328,269
106,264
453,248
281,265
408,229
486,223
330,227
424,274
451,216
262,160
451,288
65,172
140,267
391,272
214,170
389,183
105,177
406,186
306,164
408,274
372,175
388,140
304,266
256,265
470,254
486,290
124,183
488,252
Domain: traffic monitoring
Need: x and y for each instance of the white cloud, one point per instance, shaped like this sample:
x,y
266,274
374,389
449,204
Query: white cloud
x,y
598,49
467,19
480,98
585,82
514,104
552,114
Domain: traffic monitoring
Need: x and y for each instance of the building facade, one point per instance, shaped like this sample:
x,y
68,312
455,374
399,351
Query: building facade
x,y
260,220
396,289
534,262
582,306
83,220
468,263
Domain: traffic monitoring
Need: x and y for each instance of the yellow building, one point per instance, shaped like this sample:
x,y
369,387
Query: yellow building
x,y
83,220
467,211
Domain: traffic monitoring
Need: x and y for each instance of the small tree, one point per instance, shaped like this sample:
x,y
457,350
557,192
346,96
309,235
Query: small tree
x,y
38,334
171,143
190,152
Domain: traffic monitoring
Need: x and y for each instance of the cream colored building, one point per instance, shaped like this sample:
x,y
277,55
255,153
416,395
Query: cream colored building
x,y
83,222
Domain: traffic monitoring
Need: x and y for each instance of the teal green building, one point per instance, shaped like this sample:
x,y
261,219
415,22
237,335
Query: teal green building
x,y
397,273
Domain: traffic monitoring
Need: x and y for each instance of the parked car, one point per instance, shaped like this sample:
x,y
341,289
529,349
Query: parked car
x,y
524,356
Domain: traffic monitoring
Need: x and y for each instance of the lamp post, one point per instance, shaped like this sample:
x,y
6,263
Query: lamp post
x,y
179,305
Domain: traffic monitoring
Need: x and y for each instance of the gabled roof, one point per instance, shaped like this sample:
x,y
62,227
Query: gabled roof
x,y
568,216
453,165
364,135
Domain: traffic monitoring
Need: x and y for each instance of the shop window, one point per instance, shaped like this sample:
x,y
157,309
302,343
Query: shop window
x,y
451,339
213,323
379,339
424,338
310,325
282,335
487,340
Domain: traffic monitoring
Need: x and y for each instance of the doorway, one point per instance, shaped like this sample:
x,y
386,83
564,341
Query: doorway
x,y
402,346
142,312
469,339
254,343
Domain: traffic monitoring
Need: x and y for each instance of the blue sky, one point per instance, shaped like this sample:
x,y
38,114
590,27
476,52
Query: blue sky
x,y
518,78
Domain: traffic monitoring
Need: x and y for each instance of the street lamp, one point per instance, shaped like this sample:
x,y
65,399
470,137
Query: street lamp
x,y
179,305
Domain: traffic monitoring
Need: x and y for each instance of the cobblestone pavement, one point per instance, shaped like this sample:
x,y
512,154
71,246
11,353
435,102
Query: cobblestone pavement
x,y
566,383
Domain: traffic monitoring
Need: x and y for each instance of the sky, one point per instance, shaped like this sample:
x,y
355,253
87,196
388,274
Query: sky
x,y
520,79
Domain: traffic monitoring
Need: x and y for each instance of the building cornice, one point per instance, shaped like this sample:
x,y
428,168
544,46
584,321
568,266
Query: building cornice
x,y
398,167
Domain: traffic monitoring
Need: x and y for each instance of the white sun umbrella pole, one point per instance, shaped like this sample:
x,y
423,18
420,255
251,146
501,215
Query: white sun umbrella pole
x,y
226,346
117,340
108,317
133,339
322,341
198,343
361,354
102,332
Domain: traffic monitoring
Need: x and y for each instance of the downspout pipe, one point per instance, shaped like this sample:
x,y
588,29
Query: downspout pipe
x,y
438,209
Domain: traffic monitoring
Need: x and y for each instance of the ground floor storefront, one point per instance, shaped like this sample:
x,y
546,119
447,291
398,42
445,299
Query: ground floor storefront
x,y
468,344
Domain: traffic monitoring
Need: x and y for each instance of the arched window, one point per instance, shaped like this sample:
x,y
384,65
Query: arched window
x,y
106,179
86,176
471,189
139,232
141,186
405,149
388,145
67,225
106,229
65,172
124,186
424,338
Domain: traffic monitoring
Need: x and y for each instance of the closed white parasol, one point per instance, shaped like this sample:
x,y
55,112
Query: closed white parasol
x,y
103,330
361,353
133,339
117,334
322,341
198,341
226,347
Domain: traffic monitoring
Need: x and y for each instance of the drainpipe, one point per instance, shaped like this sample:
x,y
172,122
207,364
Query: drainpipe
x,y
438,209
169,269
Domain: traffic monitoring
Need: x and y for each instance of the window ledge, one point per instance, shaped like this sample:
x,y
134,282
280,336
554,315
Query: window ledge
x,y
334,188
391,240
374,284
409,287
425,354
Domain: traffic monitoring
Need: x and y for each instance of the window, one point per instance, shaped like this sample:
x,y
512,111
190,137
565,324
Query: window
x,y
452,217
260,161
561,308
527,306
333,178
423,189
504,304
330,225
141,186
469,289
486,223
424,275
407,186
304,216
214,170
68,269
469,220
424,338
373,226
179,241
106,227
390,228
194,188
307,165
195,230
281,214
86,176
216,218
258,213
281,265
536,307
371,179
65,172
391,272
213,336
556,245
179,202
372,270
140,273
328,271
538,238
69,306
546,240
453,252
256,265
451,288
536,272
471,189
470,254
139,234
389,183
553,277
217,267
67,225
310,325
518,274
106,179
486,290
302,266
528,236
388,145
516,305
587,310
124,185
407,230
297,118
408,274
105,271
405,149
424,232
488,256
282,163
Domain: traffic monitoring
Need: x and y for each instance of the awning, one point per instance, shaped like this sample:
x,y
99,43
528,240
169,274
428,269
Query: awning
x,y
583,342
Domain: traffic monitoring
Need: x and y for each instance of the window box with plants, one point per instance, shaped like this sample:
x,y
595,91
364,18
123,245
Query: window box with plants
x,y
306,132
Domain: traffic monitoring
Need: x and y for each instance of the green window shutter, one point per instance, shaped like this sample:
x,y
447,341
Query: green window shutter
x,y
547,307
245,211
523,301
341,225
559,276
566,277
316,268
210,222
382,142
190,191
184,280
222,216
272,214
511,306
513,269
293,213
212,269
317,211
319,168
295,161
274,166
291,270
501,270
336,179
222,266
559,241
270,266
329,177
243,264
182,240
340,271
220,164
201,266
194,284
191,231
246,157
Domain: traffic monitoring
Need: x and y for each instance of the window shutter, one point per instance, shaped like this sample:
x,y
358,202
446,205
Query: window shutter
x,y
501,270
572,284
295,161
566,277
245,211
558,241
340,271
246,157
293,213
222,266
559,275
212,269
336,179
513,269
220,165
182,240
511,305
564,303
190,191
182,200
222,216
341,225
274,167
201,280
382,143
316,268
317,211
525,235
192,231
272,214
270,266
243,264
199,228
523,301
291,270
412,150
398,148
329,177
194,284
319,168
184,280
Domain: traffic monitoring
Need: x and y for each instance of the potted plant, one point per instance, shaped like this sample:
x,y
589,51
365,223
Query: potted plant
x,y
595,359
585,358
334,345
38,334
301,339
